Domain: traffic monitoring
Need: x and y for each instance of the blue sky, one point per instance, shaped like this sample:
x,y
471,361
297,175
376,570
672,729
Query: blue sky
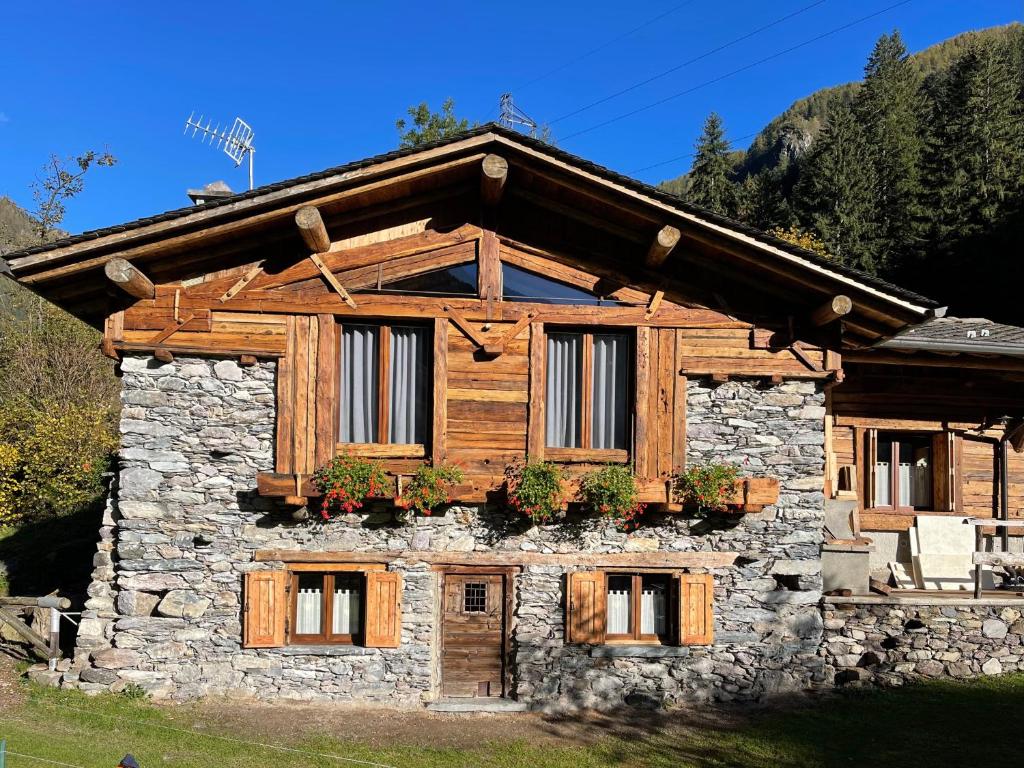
x,y
323,82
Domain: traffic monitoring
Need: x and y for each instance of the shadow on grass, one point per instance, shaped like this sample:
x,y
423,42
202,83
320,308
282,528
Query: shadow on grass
x,y
926,725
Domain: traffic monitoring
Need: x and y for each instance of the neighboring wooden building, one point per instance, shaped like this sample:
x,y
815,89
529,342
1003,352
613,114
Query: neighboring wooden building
x,y
476,302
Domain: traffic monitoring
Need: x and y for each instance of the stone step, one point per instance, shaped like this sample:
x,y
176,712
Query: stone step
x,y
480,704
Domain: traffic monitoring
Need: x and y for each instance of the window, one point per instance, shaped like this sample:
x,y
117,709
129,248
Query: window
x,y
309,604
384,384
639,608
475,597
902,472
460,280
521,285
327,607
586,402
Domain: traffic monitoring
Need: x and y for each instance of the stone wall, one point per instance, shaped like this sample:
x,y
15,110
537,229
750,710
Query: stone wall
x,y
181,531
879,641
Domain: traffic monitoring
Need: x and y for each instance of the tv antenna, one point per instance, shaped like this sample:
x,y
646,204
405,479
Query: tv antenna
x,y
236,142
511,115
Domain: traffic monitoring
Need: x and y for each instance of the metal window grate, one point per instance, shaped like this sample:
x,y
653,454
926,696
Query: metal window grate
x,y
475,597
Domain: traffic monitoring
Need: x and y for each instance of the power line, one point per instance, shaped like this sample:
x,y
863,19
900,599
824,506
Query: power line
x,y
601,47
689,154
734,72
42,759
192,732
687,63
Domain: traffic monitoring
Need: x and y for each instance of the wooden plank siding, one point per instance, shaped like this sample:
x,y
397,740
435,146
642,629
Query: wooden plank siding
x,y
960,412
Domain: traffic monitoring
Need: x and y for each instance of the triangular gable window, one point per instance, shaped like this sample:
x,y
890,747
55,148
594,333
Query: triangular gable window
x,y
521,285
460,280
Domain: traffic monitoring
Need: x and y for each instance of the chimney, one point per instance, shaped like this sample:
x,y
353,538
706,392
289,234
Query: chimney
x,y
213,191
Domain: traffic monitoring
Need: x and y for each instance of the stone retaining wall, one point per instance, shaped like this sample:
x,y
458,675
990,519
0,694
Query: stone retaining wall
x,y
889,644
165,607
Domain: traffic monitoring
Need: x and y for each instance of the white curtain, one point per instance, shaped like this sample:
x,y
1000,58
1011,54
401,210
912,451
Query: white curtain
x,y
359,383
408,385
915,476
608,427
652,610
619,606
307,611
346,609
565,360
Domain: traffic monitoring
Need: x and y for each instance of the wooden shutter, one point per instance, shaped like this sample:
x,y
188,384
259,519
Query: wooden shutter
x,y
536,429
266,606
383,609
944,471
586,607
696,609
307,379
643,429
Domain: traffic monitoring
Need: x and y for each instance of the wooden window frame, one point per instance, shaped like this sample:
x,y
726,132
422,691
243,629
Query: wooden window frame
x,y
670,637
383,448
894,437
326,636
584,452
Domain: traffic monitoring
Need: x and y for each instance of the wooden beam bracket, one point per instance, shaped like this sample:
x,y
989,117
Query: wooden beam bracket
x,y
243,281
463,325
798,352
654,305
332,280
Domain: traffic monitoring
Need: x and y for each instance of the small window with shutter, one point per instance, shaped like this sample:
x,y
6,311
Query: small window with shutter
x,y
334,604
636,608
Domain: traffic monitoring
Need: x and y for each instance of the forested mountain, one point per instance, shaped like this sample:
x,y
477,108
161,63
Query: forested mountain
x,y
915,173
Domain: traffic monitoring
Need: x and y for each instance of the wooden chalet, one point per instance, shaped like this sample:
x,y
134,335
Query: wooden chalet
x,y
479,301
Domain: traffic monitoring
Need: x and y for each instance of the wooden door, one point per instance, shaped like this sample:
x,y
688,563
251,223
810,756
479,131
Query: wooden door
x,y
472,636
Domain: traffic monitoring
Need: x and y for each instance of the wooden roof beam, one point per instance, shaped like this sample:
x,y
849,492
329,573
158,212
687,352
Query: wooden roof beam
x,y
314,234
833,309
311,227
129,278
666,239
493,176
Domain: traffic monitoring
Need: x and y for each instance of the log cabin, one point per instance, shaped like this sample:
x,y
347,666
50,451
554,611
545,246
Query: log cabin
x,y
490,299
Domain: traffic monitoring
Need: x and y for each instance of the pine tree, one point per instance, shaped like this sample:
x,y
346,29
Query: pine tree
x,y
710,184
974,161
888,107
761,203
834,195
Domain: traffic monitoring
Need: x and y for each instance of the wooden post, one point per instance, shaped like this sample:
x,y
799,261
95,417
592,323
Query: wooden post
x,y
664,242
979,544
129,278
312,229
832,310
493,175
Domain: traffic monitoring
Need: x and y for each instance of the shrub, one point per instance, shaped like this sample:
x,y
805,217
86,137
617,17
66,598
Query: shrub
x,y
612,492
429,488
10,462
346,482
535,489
52,459
706,486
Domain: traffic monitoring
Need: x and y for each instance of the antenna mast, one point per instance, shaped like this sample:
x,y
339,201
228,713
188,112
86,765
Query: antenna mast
x,y
236,142
511,115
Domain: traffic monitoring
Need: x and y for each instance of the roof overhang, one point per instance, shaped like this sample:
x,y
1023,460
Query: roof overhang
x,y
69,271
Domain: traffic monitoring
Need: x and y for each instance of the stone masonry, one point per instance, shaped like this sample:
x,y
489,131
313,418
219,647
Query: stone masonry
x,y
184,521
887,643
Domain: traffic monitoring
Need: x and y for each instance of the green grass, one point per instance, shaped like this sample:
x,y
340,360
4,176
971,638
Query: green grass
x,y
933,725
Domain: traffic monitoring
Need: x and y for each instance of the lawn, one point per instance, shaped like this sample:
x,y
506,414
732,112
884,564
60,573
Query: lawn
x,y
935,725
